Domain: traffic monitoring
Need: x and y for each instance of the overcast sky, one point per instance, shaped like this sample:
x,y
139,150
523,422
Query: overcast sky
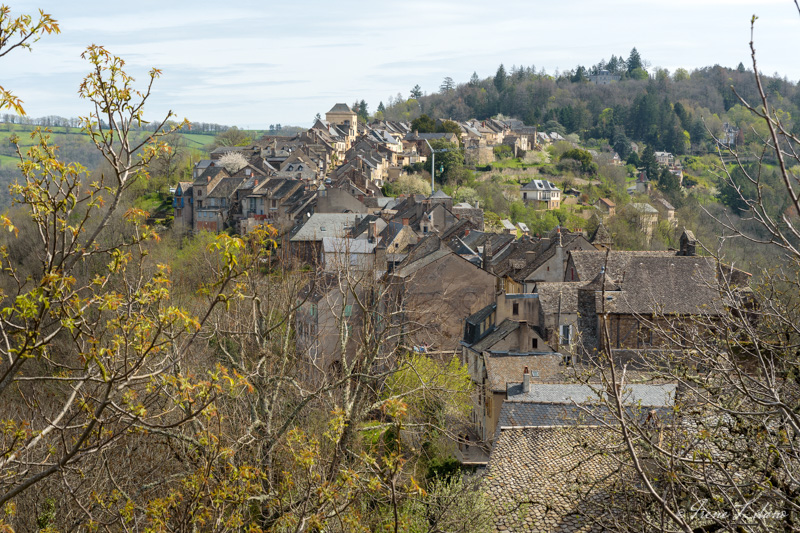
x,y
255,63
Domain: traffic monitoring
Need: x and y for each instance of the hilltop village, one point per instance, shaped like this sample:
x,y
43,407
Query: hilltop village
x,y
524,313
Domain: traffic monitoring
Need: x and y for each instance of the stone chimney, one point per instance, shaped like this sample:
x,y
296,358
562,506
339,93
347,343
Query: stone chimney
x,y
405,221
688,243
526,380
487,255
372,230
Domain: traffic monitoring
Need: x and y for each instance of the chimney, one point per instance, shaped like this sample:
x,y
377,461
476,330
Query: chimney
x,y
256,183
466,232
487,255
405,221
544,243
372,229
526,380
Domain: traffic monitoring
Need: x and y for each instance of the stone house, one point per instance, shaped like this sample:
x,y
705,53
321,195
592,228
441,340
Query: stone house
x,y
640,296
439,289
183,204
606,207
341,115
546,446
305,241
496,352
645,217
270,201
542,193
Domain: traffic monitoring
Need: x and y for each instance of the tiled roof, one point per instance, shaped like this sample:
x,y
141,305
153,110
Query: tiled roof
x,y
535,477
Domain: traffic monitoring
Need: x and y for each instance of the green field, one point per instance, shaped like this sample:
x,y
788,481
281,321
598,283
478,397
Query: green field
x,y
59,135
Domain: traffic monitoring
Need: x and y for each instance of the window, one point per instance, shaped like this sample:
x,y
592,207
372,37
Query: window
x,y
274,204
534,343
566,329
515,309
313,310
348,310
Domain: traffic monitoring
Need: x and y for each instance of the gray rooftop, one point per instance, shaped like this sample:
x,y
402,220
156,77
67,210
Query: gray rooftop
x,y
539,185
638,394
321,225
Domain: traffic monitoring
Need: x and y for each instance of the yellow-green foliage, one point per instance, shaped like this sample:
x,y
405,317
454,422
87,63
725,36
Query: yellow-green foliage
x,y
429,385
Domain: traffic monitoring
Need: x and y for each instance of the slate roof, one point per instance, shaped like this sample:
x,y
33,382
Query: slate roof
x,y
321,225
644,208
505,369
534,476
516,259
340,108
589,262
363,225
601,235
209,174
668,206
540,185
566,240
390,232
503,330
655,282
567,393
225,188
440,194
522,414
553,293
427,251
347,245
479,316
